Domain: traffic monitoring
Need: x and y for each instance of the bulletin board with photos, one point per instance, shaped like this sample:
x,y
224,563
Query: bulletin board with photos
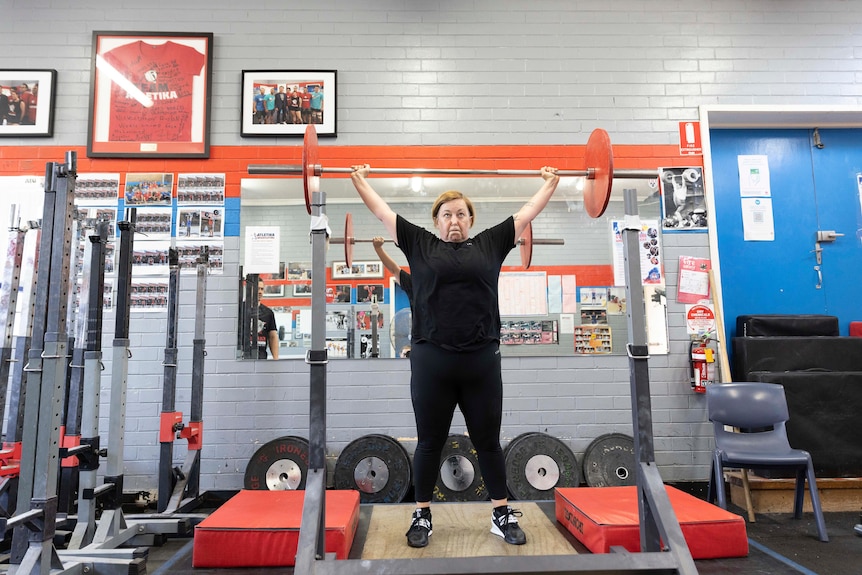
x,y
184,211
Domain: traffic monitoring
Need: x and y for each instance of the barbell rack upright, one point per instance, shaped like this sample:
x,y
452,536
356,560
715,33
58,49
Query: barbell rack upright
x,y
311,544
187,488
88,458
169,415
33,550
9,293
112,523
21,338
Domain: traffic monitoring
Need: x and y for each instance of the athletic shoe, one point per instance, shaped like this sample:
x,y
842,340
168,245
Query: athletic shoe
x,y
504,523
420,528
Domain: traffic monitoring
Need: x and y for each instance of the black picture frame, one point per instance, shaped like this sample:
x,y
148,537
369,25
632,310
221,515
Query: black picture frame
x,y
34,90
255,122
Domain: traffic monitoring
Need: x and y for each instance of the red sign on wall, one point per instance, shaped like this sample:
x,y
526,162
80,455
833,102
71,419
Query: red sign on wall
x,y
689,139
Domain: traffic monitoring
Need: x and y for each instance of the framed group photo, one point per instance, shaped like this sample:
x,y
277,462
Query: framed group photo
x,y
27,102
150,95
283,102
370,269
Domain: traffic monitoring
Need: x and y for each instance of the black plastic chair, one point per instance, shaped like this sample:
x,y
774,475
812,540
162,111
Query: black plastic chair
x,y
748,425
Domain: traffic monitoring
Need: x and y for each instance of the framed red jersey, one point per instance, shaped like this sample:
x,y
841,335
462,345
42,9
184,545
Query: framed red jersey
x,y
150,95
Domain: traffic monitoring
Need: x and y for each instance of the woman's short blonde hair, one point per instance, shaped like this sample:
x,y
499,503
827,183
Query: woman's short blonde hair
x,y
450,196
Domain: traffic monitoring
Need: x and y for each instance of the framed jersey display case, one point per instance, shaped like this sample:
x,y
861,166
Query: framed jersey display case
x,y
150,95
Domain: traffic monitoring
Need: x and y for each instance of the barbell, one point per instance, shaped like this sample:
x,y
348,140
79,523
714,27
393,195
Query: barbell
x,y
599,174
525,242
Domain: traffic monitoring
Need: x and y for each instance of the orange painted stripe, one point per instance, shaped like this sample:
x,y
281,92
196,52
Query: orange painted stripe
x,y
233,161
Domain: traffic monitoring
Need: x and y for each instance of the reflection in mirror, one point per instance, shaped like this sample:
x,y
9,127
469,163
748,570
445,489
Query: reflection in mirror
x,y
570,301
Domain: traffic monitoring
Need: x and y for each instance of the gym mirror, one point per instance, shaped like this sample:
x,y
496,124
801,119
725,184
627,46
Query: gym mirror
x,y
565,303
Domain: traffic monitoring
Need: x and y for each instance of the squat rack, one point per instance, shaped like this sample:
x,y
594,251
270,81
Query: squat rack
x,y
664,549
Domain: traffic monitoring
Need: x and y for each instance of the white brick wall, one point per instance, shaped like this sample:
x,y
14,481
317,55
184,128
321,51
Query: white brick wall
x,y
448,72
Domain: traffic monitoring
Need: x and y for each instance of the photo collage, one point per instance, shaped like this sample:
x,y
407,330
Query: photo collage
x,y
185,212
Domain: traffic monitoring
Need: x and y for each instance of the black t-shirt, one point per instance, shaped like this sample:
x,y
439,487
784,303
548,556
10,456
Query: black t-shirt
x,y
406,283
265,324
455,285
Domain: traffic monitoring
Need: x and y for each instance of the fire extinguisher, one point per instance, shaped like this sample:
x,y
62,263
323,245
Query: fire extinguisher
x,y
702,362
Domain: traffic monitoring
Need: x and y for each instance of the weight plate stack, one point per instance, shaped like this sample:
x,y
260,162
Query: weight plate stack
x,y
279,465
609,461
536,463
460,478
377,466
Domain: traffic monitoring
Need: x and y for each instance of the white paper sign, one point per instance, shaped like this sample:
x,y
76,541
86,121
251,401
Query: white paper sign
x,y
754,176
262,246
757,223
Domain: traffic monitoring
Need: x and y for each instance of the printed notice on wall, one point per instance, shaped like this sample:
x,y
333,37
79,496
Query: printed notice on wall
x,y
523,293
555,294
757,224
649,253
754,176
261,250
693,279
756,199
570,294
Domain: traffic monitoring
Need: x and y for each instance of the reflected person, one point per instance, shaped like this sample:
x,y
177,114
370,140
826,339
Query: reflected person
x,y
267,329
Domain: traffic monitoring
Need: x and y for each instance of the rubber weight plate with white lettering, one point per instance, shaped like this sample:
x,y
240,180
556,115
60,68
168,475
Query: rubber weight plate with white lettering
x,y
279,465
609,461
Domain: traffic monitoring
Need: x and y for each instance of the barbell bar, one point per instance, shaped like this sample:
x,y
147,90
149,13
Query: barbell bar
x,y
525,242
598,174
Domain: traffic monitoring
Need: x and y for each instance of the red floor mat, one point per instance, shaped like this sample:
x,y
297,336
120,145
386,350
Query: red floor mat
x,y
261,529
602,517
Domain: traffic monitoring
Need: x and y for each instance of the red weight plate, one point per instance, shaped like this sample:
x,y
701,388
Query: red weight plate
x,y
599,158
526,241
310,180
348,240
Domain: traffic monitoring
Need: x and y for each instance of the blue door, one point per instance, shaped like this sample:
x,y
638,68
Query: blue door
x,y
814,180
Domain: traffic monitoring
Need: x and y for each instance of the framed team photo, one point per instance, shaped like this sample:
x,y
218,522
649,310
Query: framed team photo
x,y
150,95
369,269
27,103
283,102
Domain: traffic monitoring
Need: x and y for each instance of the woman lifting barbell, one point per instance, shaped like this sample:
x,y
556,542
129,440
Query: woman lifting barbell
x,y
455,347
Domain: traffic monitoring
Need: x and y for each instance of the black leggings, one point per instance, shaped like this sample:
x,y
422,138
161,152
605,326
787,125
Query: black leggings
x,y
442,379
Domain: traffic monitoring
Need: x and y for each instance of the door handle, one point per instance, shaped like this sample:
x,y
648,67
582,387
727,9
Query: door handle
x,y
827,235
819,277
